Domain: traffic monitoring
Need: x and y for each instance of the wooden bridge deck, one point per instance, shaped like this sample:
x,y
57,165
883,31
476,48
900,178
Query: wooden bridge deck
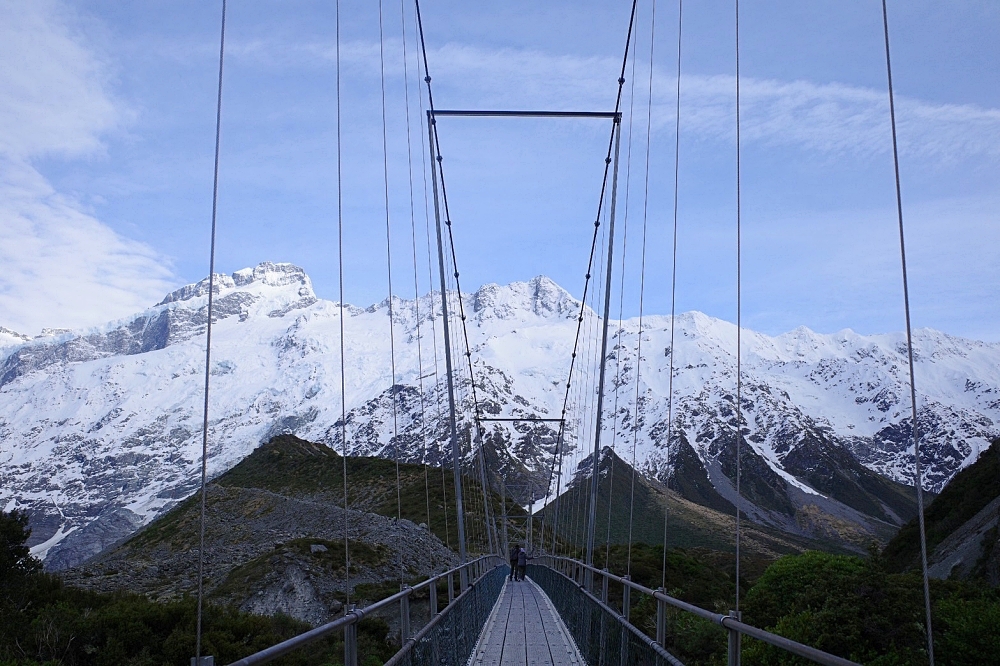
x,y
524,629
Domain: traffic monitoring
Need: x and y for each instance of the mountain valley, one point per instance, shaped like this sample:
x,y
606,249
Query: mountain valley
x,y
101,429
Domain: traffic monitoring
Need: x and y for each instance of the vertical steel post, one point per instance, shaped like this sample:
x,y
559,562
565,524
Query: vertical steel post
x,y
487,509
734,641
555,504
604,586
531,515
595,472
351,641
433,589
626,611
661,619
451,588
404,616
456,451
503,516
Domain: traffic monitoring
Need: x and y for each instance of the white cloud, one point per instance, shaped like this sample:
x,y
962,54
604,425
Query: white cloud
x,y
64,268
61,266
828,118
831,118
55,99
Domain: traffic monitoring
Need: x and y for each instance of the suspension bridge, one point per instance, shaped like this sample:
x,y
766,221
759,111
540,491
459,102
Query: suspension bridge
x,y
562,609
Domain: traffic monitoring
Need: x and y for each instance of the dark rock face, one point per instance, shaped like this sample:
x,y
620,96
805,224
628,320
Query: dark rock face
x,y
258,553
92,539
690,479
962,526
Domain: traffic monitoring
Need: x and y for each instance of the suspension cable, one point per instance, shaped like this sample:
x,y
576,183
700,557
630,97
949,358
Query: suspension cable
x,y
589,397
433,317
557,453
454,259
416,282
918,475
340,273
388,259
642,291
208,342
621,307
739,311
673,277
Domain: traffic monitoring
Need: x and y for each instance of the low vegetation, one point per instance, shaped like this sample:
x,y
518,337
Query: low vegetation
x,y
291,466
867,609
971,490
849,606
44,622
854,608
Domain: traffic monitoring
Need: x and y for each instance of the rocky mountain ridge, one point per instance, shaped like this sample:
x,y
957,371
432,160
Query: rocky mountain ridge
x,y
101,429
275,540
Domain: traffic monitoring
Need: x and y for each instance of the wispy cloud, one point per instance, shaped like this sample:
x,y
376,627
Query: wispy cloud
x,y
829,118
62,267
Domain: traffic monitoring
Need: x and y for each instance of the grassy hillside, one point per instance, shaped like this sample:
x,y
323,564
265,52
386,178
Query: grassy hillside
x,y
652,507
275,529
965,495
291,466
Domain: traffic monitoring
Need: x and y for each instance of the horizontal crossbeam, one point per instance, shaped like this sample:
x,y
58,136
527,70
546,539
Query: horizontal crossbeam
x,y
524,418
475,113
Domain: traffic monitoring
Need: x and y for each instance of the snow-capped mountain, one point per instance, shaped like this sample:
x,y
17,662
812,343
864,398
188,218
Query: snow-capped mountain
x,y
101,430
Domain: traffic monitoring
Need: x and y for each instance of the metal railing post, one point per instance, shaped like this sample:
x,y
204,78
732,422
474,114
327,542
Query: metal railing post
x,y
463,579
623,657
351,641
404,615
433,590
661,619
734,641
626,598
451,587
604,586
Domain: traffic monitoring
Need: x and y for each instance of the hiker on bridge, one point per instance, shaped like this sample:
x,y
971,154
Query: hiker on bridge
x,y
522,562
514,550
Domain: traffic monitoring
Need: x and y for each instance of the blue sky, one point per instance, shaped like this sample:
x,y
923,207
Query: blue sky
x,y
107,132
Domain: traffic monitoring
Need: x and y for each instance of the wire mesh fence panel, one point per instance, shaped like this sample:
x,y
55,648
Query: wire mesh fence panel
x,y
601,635
452,638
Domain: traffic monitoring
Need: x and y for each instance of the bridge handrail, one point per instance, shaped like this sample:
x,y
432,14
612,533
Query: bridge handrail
x,y
728,622
478,567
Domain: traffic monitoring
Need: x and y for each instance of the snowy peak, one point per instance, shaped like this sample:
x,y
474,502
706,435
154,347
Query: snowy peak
x,y
9,338
265,274
107,422
518,301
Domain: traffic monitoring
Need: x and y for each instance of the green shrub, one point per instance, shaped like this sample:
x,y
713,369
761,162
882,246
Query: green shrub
x,y
853,608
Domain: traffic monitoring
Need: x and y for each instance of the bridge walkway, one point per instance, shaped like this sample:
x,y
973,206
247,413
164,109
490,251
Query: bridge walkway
x,y
524,629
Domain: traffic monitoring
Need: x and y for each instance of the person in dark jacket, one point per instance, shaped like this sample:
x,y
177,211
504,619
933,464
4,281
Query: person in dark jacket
x,y
514,550
522,562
